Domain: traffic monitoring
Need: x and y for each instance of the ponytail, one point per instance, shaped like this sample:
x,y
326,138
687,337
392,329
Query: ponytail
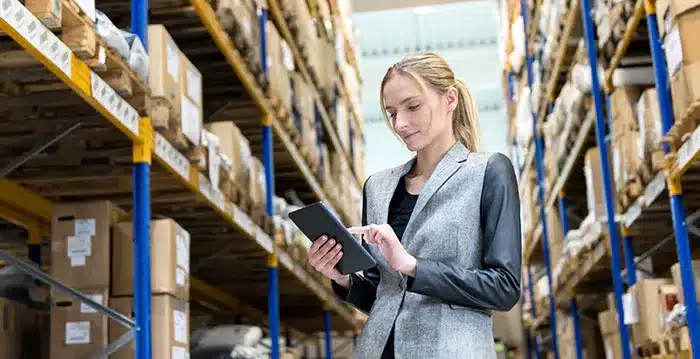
x,y
465,123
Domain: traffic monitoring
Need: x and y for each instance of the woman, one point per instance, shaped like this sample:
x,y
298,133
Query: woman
x,y
444,227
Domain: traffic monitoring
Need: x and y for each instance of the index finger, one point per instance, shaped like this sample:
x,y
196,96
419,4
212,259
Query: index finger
x,y
359,230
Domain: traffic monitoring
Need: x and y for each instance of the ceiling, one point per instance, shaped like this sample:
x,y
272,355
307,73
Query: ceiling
x,y
374,5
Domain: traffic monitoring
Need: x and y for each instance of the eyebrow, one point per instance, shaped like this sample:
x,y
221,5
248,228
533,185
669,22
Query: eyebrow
x,y
404,101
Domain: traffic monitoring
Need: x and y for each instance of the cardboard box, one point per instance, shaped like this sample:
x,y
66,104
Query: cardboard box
x,y
236,147
257,183
685,90
278,76
649,121
594,184
676,275
80,244
49,12
648,328
682,7
164,66
170,259
170,323
191,101
622,106
78,331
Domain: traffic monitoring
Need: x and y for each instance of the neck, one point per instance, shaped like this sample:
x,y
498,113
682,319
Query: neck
x,y
429,157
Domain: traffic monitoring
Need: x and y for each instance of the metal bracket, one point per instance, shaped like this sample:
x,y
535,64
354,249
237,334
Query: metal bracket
x,y
112,348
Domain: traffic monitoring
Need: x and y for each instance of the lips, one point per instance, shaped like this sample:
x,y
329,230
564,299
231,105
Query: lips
x,y
406,137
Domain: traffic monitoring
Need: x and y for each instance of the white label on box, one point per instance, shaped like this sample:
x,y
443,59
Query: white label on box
x,y
674,51
179,163
179,353
77,261
689,149
194,86
205,187
86,309
654,188
78,333
79,246
243,220
183,250
173,58
180,326
114,104
629,305
180,277
191,120
85,227
6,7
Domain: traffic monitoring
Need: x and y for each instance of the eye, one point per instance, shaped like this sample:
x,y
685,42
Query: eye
x,y
392,115
413,107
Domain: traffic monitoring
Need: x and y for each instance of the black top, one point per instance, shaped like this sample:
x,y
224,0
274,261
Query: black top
x,y
400,209
494,286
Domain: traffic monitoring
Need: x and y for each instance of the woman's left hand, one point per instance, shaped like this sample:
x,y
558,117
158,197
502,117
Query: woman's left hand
x,y
389,245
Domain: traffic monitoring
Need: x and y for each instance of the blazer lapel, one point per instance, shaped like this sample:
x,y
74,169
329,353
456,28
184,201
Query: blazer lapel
x,y
449,164
387,186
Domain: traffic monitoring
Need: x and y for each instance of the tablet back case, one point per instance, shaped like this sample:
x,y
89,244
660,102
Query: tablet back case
x,y
316,220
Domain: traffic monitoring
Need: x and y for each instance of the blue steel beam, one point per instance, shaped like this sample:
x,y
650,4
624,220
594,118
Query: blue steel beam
x,y
680,227
142,259
139,20
578,340
600,127
327,333
269,165
539,161
630,265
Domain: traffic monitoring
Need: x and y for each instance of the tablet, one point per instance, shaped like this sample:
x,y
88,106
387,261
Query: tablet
x,y
316,220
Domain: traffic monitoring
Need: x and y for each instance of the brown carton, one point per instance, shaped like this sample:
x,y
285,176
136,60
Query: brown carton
x,y
191,101
648,328
170,323
622,106
80,244
257,183
676,275
163,65
236,147
78,331
49,12
594,183
170,259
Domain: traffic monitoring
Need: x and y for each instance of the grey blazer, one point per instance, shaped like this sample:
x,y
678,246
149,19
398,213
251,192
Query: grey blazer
x,y
465,233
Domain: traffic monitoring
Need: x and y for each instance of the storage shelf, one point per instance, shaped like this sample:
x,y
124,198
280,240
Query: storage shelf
x,y
178,190
278,17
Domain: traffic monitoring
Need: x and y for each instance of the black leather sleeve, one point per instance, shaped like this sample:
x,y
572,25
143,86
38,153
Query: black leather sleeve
x,y
496,285
363,288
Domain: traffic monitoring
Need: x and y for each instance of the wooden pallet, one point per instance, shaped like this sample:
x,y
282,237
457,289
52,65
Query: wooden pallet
x,y
635,185
79,35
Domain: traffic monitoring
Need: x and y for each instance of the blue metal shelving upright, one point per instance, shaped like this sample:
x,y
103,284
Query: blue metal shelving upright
x,y
142,213
578,340
678,211
269,165
600,129
539,164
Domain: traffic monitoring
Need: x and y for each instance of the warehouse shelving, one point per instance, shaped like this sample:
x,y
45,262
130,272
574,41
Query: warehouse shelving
x,y
177,189
646,224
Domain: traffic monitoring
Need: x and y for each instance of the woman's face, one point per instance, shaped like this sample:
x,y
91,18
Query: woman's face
x,y
418,117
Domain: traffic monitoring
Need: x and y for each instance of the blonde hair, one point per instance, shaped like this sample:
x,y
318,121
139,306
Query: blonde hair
x,y
431,69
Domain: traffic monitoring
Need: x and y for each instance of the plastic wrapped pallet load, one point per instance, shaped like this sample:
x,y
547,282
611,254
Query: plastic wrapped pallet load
x,y
581,77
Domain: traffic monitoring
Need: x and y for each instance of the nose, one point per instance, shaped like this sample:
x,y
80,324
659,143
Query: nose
x,y
400,121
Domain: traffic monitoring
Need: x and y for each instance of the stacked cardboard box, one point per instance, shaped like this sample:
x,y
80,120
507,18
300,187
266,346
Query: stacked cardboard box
x,y
676,275
279,61
679,23
341,120
609,330
647,323
304,111
258,183
627,159
239,18
176,88
80,258
169,284
650,131
236,148
594,184
24,333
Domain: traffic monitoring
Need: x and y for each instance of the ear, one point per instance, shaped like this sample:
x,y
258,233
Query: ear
x,y
452,98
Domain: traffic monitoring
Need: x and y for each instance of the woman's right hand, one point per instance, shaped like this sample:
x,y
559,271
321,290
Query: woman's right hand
x,y
324,255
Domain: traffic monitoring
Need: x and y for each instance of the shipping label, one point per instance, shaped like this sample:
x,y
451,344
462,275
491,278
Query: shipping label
x,y
77,333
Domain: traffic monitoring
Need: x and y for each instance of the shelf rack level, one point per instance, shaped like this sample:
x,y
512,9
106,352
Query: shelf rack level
x,y
539,165
600,126
675,191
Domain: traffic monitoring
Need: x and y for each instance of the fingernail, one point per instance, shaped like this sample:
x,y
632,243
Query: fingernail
x,y
332,241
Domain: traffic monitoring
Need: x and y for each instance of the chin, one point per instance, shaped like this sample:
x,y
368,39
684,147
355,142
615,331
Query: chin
x,y
413,146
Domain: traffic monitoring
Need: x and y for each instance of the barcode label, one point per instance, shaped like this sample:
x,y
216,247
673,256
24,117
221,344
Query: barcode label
x,y
176,160
689,148
242,219
263,239
654,188
108,98
633,214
